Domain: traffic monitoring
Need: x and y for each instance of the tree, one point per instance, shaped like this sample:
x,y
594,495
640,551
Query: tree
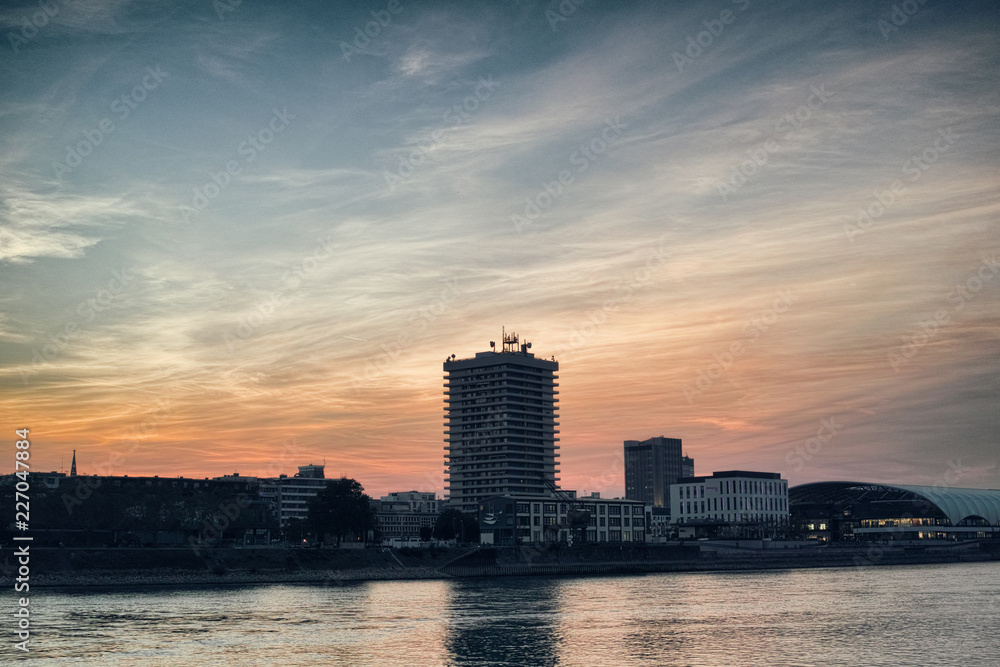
x,y
426,533
455,524
341,508
295,531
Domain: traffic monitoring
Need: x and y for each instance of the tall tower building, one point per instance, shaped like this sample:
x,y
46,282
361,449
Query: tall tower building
x,y
651,466
500,419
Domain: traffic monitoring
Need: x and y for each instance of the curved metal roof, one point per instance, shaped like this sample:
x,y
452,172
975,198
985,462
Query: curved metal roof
x,y
956,504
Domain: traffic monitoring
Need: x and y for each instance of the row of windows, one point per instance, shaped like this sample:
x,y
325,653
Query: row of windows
x,y
739,503
615,522
551,508
732,486
739,518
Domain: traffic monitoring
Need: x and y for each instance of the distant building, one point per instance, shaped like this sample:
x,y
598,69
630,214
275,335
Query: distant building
x,y
124,527
865,511
750,502
51,480
658,526
687,467
410,501
651,466
290,496
512,520
500,419
401,515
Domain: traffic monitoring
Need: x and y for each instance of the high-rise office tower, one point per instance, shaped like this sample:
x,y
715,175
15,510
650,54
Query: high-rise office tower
x,y
500,418
651,466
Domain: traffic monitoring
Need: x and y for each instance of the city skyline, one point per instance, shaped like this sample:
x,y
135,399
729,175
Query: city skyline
x,y
244,238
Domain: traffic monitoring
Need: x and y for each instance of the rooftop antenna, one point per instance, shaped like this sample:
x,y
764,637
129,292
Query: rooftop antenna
x,y
509,342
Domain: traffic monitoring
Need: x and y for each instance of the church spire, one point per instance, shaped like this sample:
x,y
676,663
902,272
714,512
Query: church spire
x,y
72,468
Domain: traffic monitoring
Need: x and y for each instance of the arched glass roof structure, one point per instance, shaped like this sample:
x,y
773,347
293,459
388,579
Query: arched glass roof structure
x,y
953,503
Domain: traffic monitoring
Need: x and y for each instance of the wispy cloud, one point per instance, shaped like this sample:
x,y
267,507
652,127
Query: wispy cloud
x,y
314,297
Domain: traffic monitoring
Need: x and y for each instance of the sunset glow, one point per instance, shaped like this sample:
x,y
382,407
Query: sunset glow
x,y
781,245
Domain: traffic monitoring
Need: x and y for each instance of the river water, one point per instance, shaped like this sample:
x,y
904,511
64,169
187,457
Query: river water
x,y
913,615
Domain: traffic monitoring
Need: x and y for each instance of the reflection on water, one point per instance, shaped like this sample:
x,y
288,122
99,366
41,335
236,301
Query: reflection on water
x,y
504,622
919,615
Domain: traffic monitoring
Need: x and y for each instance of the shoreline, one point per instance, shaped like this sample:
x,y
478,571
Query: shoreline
x,y
126,577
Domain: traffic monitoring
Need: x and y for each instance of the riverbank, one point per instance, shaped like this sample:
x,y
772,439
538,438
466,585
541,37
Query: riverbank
x,y
77,568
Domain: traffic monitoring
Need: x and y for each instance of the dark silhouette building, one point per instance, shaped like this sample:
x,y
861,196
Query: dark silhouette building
x,y
651,466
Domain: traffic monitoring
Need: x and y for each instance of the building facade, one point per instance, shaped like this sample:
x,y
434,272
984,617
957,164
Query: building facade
x,y
290,496
500,420
739,498
867,511
524,519
651,466
401,515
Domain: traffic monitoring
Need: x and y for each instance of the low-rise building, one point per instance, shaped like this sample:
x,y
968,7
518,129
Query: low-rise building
x,y
290,496
510,520
734,503
401,515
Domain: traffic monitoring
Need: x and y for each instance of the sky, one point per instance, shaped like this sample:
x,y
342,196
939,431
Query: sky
x,y
244,236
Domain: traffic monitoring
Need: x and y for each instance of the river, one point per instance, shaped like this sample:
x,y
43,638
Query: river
x,y
906,615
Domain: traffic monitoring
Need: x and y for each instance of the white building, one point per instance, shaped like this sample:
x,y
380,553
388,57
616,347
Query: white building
x,y
410,501
401,515
512,520
734,497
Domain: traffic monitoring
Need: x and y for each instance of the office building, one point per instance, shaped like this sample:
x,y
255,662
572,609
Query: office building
x,y
290,496
520,519
500,419
756,500
651,466
401,515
